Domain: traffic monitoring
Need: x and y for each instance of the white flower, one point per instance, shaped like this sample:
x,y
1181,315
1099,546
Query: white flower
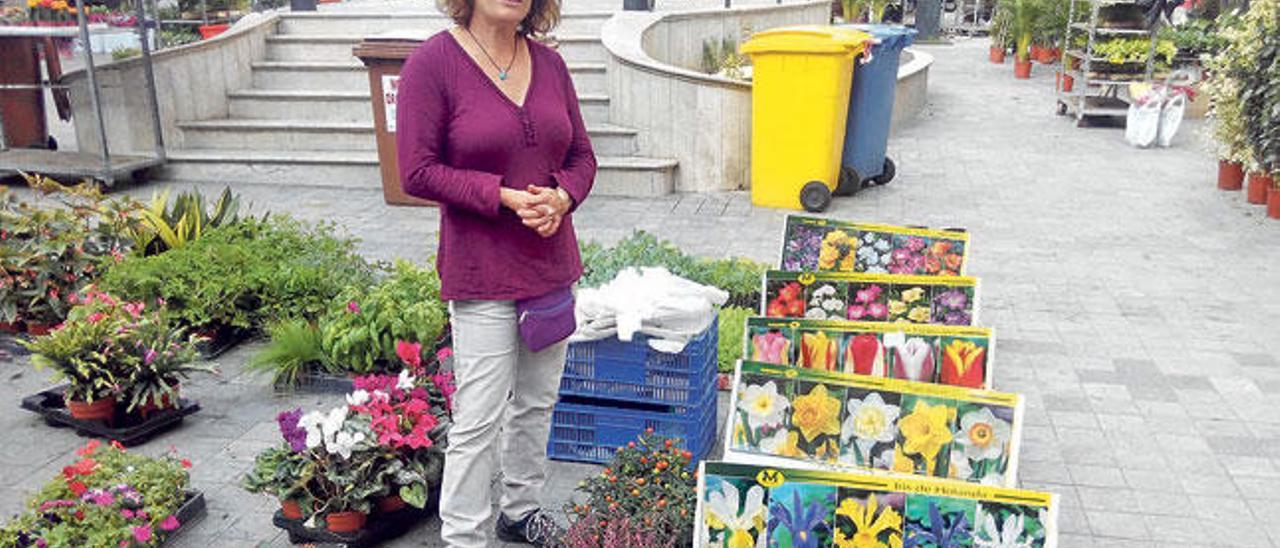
x,y
763,405
882,245
1008,536
870,421
359,397
832,305
405,380
884,461
345,442
983,435
330,425
962,470
773,445
815,313
311,423
722,506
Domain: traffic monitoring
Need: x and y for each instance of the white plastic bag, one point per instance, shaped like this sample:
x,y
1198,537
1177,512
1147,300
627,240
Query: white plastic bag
x,y
1142,125
1171,117
671,309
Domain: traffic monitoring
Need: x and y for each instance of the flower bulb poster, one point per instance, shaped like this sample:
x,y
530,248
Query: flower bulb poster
x,y
814,244
870,297
783,416
742,505
955,356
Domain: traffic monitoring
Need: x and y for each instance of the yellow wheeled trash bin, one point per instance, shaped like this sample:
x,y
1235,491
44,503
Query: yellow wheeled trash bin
x,y
800,97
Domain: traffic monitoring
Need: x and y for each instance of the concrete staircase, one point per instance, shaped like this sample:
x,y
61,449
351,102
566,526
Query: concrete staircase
x,y
308,118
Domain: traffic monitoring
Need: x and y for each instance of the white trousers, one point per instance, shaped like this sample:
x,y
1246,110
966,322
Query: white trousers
x,y
505,394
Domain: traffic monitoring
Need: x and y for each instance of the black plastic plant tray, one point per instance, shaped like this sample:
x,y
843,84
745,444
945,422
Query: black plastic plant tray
x,y
315,382
193,510
226,339
129,430
379,529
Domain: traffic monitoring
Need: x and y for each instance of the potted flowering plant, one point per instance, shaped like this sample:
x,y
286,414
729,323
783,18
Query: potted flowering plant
x,y
110,350
277,471
108,497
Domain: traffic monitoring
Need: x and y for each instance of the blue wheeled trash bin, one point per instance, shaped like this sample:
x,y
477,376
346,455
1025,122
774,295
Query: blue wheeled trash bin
x,y
866,137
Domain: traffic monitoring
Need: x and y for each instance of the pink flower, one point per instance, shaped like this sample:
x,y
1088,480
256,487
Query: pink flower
x,y
410,353
444,354
149,357
95,317
127,513
857,311
878,310
447,386
170,523
353,307
135,309
915,243
142,533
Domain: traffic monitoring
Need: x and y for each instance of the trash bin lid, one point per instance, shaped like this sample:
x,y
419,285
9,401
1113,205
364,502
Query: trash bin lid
x,y
888,36
822,39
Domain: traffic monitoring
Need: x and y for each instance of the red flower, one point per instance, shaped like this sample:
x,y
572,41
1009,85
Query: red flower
x,y
79,514
117,445
88,448
78,488
82,468
410,353
186,464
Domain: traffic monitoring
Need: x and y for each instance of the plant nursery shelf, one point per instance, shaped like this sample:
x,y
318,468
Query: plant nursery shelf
x,y
1106,30
1095,106
129,430
379,529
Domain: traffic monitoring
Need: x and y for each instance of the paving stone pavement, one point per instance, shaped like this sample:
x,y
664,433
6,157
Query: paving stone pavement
x,y
1133,302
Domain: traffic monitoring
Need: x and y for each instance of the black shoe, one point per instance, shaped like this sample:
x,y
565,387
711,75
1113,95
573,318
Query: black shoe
x,y
536,528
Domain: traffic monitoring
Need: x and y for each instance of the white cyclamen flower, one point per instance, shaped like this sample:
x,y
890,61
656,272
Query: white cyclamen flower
x,y
763,405
331,425
405,380
359,397
870,421
345,442
983,435
311,423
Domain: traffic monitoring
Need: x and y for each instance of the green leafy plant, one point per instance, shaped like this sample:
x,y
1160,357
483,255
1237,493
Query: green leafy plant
x,y
360,333
49,253
124,53
723,56
1134,50
172,225
1196,36
108,347
648,483
247,274
109,497
296,347
740,277
1024,23
733,321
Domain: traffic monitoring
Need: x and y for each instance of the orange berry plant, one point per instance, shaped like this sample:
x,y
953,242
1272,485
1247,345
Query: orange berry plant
x,y
644,497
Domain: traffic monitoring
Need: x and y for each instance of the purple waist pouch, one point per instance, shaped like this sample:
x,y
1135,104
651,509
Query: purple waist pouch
x,y
546,319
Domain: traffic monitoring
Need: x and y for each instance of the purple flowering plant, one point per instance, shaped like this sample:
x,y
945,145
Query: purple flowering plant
x,y
276,470
953,307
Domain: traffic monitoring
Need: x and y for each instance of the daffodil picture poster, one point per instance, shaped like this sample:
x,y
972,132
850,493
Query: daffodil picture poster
x,y
820,244
956,356
938,300
785,416
749,506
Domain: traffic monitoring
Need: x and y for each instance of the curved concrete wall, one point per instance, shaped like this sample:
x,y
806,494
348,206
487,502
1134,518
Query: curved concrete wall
x,y
701,120
192,82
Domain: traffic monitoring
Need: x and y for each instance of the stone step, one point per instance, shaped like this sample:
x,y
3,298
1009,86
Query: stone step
x,y
372,22
310,134
348,106
589,77
575,48
615,176
310,75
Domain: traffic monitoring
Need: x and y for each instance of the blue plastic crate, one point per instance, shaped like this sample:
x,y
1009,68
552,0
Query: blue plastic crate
x,y
586,430
632,371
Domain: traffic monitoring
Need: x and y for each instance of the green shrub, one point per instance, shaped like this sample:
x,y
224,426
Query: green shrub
x,y
733,320
246,274
740,277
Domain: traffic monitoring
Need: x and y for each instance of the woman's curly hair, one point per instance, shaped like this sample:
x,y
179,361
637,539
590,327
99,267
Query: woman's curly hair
x,y
543,16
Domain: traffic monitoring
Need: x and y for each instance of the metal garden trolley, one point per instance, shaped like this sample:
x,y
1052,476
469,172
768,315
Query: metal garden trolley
x,y
1095,94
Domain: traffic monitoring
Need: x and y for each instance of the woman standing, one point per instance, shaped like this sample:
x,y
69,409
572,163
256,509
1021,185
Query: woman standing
x,y
488,126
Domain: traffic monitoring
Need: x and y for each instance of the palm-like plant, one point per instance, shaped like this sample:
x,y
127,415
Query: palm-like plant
x,y
168,226
1026,21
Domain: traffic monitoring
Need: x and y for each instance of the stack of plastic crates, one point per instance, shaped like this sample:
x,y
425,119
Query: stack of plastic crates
x,y
612,391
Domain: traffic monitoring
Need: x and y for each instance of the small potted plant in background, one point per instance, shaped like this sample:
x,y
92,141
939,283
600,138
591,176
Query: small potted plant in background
x,y
1026,14
277,471
1001,32
1273,198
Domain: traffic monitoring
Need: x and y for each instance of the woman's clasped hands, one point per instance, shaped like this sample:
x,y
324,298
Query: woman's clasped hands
x,y
540,208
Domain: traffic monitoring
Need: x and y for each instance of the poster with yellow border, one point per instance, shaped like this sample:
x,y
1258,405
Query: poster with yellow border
x,y
742,505
783,416
937,300
952,355
818,244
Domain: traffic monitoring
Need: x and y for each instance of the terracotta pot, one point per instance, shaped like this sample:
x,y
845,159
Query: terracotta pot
x,y
209,31
39,329
1258,185
1036,52
102,409
1273,202
389,504
1230,175
1022,69
345,522
291,509
1046,56
1064,81
996,55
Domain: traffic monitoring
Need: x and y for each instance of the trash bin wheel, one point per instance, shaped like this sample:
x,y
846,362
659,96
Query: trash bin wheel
x,y
815,196
850,182
890,170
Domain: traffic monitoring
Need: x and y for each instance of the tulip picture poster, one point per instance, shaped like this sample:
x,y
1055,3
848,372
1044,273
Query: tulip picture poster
x,y
814,244
870,297
783,416
956,356
757,506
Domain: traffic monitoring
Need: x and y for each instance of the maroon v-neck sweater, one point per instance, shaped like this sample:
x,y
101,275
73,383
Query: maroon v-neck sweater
x,y
459,139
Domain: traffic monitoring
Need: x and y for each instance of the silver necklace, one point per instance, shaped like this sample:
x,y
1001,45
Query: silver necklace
x,y
502,72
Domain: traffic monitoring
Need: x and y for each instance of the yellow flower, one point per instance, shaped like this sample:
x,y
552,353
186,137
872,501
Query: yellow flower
x,y
837,246
912,295
963,354
919,314
926,430
827,257
741,539
816,413
901,463
868,526
897,308
33,3
819,351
